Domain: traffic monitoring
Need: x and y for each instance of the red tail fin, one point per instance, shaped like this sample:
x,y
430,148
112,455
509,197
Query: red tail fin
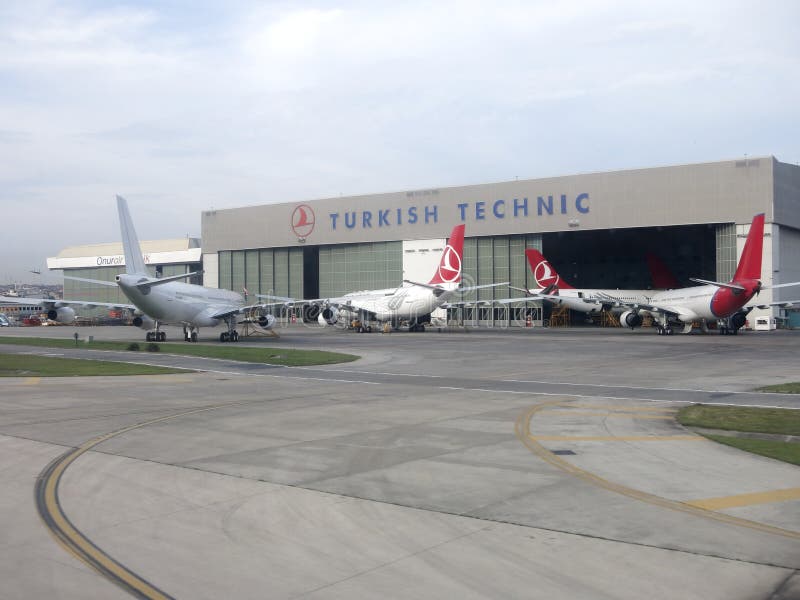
x,y
663,279
449,270
750,262
543,272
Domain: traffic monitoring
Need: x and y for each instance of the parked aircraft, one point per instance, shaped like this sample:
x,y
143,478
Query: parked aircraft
x,y
726,303
170,301
411,302
552,288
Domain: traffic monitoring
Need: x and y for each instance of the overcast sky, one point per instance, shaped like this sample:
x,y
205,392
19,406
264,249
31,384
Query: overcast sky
x,y
187,105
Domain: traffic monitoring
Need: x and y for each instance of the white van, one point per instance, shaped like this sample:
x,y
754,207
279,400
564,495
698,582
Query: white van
x,y
765,323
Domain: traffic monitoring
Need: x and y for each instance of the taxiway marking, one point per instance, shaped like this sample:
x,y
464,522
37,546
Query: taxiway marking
x,y
522,429
724,502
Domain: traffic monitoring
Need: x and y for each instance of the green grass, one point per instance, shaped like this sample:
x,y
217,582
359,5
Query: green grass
x,y
18,365
785,451
733,418
260,354
781,388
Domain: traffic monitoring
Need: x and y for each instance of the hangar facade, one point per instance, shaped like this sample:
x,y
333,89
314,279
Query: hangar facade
x,y
595,229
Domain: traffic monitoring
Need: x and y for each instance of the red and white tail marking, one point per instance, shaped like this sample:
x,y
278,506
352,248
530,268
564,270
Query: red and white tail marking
x,y
543,272
749,266
449,269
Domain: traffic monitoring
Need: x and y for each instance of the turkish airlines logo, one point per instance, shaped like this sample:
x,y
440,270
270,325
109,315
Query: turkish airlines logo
x,y
303,221
450,267
544,275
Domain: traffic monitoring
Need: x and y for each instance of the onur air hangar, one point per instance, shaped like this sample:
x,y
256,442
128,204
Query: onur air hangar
x,y
596,229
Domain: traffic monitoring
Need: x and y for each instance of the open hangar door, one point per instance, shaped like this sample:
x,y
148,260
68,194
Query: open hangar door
x,y
617,258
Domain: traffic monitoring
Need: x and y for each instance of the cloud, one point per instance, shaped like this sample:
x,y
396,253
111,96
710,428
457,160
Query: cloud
x,y
186,107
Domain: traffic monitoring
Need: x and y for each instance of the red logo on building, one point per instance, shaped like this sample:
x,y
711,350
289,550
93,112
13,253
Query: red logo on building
x,y
303,221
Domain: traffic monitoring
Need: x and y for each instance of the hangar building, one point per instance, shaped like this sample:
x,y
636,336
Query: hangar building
x,y
595,229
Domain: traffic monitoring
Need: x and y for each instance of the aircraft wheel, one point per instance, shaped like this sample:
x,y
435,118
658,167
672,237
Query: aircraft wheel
x,y
234,336
193,336
162,336
223,337
148,336
668,331
369,328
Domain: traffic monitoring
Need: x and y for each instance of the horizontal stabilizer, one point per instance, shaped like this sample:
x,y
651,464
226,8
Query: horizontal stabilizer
x,y
730,286
95,281
146,285
780,285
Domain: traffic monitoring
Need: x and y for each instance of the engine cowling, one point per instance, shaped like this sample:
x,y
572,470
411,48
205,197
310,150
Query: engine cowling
x,y
630,319
65,314
143,322
265,321
328,316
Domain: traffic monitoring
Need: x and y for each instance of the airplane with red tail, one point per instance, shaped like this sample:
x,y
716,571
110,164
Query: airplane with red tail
x,y
725,303
411,303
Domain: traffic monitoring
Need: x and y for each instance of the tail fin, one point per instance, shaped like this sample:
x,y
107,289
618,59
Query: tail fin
x,y
663,278
449,269
749,266
543,272
134,262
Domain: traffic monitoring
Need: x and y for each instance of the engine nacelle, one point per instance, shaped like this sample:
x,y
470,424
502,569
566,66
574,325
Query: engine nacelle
x,y
143,322
328,316
62,315
265,321
630,319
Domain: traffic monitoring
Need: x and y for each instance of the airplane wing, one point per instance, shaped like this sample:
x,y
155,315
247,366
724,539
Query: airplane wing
x,y
54,303
781,304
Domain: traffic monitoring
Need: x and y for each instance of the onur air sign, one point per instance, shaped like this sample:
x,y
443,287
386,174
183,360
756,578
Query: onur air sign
x,y
303,218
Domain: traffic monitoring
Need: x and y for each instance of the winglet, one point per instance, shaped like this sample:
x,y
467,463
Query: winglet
x,y
749,266
544,275
449,269
134,262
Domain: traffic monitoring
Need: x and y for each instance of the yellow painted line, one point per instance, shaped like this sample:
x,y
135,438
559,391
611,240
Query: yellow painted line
x,y
32,381
522,428
621,438
747,499
625,408
78,544
612,415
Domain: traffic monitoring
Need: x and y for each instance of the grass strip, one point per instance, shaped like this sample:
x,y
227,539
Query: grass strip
x,y
782,421
786,451
781,388
19,365
274,356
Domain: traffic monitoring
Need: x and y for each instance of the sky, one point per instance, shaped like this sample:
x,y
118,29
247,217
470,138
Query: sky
x,y
185,106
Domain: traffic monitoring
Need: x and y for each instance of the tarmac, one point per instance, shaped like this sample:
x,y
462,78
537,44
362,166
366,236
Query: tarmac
x,y
522,463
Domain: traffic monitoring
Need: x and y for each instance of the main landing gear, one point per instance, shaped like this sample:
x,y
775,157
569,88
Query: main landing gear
x,y
231,335
156,335
664,330
190,335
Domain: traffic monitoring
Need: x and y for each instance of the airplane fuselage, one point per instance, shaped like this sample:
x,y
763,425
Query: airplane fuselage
x,y
179,303
406,303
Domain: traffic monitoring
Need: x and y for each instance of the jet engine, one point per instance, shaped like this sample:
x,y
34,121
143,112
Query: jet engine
x,y
630,319
264,321
143,322
62,315
328,316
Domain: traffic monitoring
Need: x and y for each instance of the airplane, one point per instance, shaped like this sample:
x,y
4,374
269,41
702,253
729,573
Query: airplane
x,y
725,303
411,302
167,300
552,288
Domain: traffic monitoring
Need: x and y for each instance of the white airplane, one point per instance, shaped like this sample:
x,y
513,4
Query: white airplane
x,y
412,302
726,303
170,301
552,288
